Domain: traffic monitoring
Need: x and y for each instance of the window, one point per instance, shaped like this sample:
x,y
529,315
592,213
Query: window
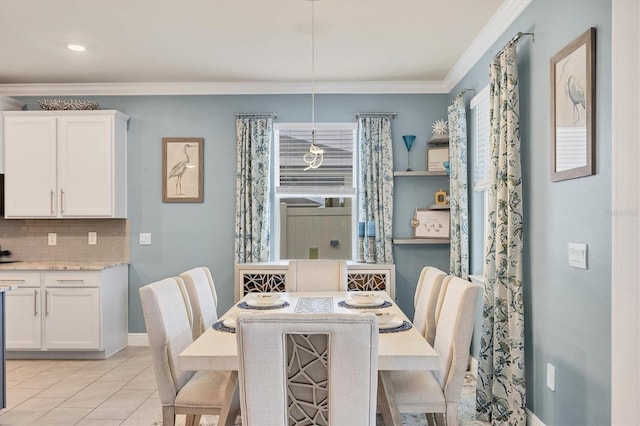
x,y
314,190
480,139
480,176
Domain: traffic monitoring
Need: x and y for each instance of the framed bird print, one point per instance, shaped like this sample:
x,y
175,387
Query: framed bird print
x,y
182,170
573,109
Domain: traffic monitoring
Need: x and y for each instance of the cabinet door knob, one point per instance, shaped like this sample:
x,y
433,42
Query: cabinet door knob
x,y
61,201
51,200
35,303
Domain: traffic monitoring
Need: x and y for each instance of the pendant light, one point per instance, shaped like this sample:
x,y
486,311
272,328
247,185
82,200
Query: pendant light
x,y
315,156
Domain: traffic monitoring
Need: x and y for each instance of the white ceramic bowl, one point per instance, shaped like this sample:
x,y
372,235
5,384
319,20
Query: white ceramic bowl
x,y
384,317
266,298
364,297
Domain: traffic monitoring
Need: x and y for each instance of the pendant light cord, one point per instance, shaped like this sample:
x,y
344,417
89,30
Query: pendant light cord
x,y
313,71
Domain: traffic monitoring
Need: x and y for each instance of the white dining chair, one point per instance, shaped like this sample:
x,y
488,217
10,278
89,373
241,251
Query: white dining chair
x,y
307,369
203,298
439,391
443,292
317,275
426,299
168,322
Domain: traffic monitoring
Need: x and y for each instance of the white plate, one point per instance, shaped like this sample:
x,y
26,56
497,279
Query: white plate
x,y
229,322
264,303
376,302
394,323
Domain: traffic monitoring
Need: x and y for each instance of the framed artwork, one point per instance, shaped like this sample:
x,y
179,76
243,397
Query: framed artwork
x,y
182,170
573,109
430,223
436,157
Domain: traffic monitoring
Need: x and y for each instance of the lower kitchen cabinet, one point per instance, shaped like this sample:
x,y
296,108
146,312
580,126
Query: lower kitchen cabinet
x,y
63,307
72,314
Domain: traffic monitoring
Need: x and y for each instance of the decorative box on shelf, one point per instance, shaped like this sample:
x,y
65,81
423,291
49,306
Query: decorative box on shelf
x,y
428,223
437,153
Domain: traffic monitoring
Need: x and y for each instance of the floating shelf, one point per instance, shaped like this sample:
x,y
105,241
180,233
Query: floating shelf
x,y
438,140
419,173
438,207
421,241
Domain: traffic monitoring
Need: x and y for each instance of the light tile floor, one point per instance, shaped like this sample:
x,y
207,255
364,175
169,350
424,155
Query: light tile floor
x,y
119,391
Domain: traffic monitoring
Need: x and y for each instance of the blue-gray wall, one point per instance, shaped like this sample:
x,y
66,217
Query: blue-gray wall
x,y
189,235
568,310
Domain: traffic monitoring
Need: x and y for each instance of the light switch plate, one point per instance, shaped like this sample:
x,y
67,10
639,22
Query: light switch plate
x,y
578,255
92,238
551,377
144,238
52,239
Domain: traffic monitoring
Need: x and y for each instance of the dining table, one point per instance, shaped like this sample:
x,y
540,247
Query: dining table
x,y
403,348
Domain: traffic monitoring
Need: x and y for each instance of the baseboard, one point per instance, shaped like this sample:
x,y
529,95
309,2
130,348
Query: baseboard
x,y
533,420
138,339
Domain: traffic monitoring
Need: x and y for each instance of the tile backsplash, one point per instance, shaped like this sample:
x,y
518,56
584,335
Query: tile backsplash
x,y
27,239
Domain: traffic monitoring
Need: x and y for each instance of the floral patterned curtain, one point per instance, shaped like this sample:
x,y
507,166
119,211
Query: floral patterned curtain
x,y
458,193
501,372
253,215
375,196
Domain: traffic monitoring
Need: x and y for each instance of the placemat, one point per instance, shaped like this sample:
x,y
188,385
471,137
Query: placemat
x,y
406,325
221,327
243,305
344,304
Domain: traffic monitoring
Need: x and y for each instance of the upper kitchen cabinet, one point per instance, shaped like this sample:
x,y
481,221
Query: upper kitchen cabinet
x,y
7,104
65,164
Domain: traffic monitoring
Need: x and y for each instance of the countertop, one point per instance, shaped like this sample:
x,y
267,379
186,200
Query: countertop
x,y
7,287
59,266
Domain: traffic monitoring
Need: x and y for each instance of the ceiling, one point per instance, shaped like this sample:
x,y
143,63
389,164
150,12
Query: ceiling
x,y
239,43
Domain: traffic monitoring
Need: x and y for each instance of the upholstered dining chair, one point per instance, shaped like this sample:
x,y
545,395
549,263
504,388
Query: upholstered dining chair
x,y
426,299
439,391
317,275
307,369
443,292
202,297
168,322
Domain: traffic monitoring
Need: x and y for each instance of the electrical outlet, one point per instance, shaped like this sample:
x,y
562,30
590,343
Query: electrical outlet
x,y
92,238
52,239
551,377
144,238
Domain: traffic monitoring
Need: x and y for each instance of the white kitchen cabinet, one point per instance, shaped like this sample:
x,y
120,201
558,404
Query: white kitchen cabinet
x,y
23,322
6,104
63,307
80,314
65,164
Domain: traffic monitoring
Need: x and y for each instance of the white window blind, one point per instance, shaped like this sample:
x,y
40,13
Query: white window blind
x,y
480,135
334,177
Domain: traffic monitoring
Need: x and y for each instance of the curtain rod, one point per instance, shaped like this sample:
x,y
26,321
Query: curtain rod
x,y
515,39
463,91
256,114
392,114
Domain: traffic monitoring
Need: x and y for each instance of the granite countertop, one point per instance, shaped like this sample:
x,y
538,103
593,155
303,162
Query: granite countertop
x,y
59,266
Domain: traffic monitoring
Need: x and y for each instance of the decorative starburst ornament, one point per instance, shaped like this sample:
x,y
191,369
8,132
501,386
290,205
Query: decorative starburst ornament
x,y
440,128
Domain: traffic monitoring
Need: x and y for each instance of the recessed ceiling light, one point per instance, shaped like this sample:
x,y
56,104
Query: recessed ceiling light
x,y
76,47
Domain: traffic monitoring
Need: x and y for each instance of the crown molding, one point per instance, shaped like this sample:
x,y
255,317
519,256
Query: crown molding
x,y
218,88
495,28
